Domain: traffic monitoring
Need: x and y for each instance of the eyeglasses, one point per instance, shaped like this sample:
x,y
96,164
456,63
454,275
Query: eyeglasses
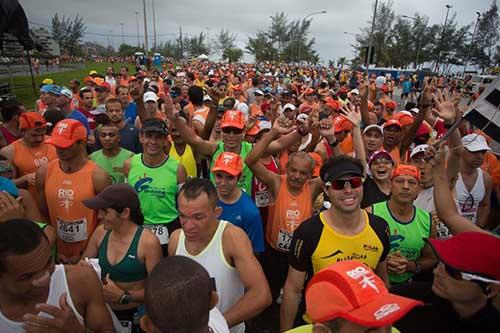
x,y
458,275
232,130
382,161
339,184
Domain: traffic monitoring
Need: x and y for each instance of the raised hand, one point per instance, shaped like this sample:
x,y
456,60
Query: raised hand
x,y
168,108
351,113
283,125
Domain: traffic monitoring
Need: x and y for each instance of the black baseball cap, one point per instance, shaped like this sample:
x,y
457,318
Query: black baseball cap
x,y
154,125
115,196
341,168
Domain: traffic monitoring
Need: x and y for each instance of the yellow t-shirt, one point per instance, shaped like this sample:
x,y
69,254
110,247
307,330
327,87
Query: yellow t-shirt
x,y
187,160
309,328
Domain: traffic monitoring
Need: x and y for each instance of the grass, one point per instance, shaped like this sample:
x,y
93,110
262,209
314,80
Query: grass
x,y
24,90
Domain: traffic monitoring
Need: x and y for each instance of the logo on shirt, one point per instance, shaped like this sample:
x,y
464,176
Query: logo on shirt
x,y
143,185
40,161
368,247
65,197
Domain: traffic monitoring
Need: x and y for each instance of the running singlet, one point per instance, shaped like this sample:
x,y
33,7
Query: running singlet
x,y
468,202
315,245
112,165
187,160
64,192
129,268
407,237
286,214
245,182
157,189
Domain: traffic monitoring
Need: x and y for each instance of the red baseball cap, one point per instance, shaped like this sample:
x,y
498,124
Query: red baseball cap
x,y
351,290
309,91
408,170
380,153
471,252
66,133
343,89
335,105
233,118
392,122
341,123
228,162
30,120
404,117
391,105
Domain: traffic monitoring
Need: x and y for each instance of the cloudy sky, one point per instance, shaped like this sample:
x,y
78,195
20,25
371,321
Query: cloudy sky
x,y
242,17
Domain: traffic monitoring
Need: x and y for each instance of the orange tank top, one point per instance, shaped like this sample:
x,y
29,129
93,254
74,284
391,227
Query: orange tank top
x,y
64,193
286,214
29,159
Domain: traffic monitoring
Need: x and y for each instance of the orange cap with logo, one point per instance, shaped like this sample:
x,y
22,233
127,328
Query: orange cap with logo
x,y
66,133
404,117
30,120
228,162
233,118
341,123
408,170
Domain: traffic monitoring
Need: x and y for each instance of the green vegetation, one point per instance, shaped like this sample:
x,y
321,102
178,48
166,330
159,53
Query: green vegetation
x,y
24,91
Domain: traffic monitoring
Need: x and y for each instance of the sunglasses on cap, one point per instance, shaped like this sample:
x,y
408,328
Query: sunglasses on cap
x,y
459,275
339,184
232,130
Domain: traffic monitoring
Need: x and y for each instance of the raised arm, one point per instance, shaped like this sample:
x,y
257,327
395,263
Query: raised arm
x,y
354,116
137,92
363,92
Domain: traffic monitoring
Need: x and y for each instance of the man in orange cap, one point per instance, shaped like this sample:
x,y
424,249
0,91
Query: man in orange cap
x,y
308,105
30,152
348,297
237,206
408,226
64,183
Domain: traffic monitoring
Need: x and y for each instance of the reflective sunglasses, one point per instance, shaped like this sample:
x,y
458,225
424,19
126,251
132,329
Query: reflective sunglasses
x,y
458,275
339,184
232,130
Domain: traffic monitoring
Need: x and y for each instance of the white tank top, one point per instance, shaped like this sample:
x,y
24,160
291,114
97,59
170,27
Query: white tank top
x,y
227,278
468,202
58,286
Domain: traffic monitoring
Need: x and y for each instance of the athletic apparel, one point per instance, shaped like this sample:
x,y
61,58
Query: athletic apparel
x,y
64,193
8,186
468,202
244,214
7,135
130,113
245,182
216,321
286,214
186,159
372,193
77,115
406,237
260,190
227,278
129,139
425,201
157,190
58,286
315,245
112,165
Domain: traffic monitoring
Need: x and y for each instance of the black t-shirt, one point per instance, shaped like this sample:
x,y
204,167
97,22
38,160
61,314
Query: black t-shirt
x,y
372,193
437,314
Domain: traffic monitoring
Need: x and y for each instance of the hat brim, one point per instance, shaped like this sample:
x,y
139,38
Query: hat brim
x,y
231,124
61,142
474,149
154,129
96,203
232,172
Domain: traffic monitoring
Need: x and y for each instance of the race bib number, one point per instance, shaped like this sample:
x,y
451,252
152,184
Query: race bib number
x,y
262,198
72,231
126,326
470,216
284,240
160,231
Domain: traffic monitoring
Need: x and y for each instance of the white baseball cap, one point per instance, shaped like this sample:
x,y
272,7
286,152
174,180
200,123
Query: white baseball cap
x,y
207,98
150,96
475,142
355,91
258,92
289,106
418,149
415,110
375,127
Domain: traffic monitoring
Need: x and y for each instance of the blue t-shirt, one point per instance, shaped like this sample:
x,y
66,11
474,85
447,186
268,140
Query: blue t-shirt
x,y
131,113
407,87
244,214
8,186
77,115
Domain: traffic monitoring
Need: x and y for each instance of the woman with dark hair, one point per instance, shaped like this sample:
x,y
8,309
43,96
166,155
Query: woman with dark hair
x,y
127,253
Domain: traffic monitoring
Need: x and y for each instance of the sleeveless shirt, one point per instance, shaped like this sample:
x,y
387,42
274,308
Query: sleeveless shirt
x,y
468,202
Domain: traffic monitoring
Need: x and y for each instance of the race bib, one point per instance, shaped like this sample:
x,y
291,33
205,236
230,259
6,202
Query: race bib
x,y
126,326
284,240
160,231
470,216
262,198
72,231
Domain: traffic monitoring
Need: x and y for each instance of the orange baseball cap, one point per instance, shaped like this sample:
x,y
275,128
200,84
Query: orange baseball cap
x,y
392,122
404,117
341,123
30,120
98,80
233,118
66,133
335,105
352,291
237,87
408,170
309,91
228,162
391,105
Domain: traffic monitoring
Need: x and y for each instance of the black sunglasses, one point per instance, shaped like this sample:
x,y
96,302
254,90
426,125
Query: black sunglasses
x,y
339,184
232,130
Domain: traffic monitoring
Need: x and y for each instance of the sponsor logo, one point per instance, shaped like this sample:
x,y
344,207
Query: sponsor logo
x,y
368,247
364,277
386,310
65,197
41,161
333,254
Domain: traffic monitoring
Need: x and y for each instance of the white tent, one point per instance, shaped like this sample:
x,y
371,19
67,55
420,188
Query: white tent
x,y
202,57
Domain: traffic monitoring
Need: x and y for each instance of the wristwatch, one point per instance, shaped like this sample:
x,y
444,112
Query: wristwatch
x,y
126,298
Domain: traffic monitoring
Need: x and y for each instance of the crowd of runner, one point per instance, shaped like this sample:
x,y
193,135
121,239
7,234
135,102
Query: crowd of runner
x,y
198,196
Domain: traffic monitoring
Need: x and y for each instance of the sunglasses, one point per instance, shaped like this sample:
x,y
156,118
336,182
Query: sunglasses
x,y
458,275
339,184
232,130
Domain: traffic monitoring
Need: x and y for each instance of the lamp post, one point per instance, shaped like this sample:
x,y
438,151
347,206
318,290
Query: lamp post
x,y
137,20
471,42
208,39
145,28
369,53
123,39
442,35
418,39
300,40
154,26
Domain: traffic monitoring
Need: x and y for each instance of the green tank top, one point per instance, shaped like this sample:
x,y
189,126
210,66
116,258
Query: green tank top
x,y
156,188
405,237
130,268
245,182
112,165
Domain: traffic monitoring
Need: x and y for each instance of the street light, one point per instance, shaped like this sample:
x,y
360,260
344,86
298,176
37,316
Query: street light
x,y
418,38
471,42
208,39
305,18
442,35
123,39
137,19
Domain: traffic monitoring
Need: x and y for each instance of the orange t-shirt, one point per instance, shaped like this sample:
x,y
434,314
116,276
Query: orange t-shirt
x,y
255,110
347,145
286,214
492,166
74,222
395,156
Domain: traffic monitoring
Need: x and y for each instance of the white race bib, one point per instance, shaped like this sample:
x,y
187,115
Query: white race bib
x,y
160,231
262,198
284,240
126,326
72,231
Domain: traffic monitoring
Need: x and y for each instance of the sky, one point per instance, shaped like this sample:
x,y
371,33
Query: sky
x,y
242,17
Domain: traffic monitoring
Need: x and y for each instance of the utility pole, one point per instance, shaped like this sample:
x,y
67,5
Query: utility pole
x,y
145,28
154,26
137,19
442,35
182,45
123,39
369,52
471,42
208,39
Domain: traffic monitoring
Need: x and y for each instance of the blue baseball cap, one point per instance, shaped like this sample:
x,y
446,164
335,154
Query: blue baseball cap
x,y
46,88
56,90
66,92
